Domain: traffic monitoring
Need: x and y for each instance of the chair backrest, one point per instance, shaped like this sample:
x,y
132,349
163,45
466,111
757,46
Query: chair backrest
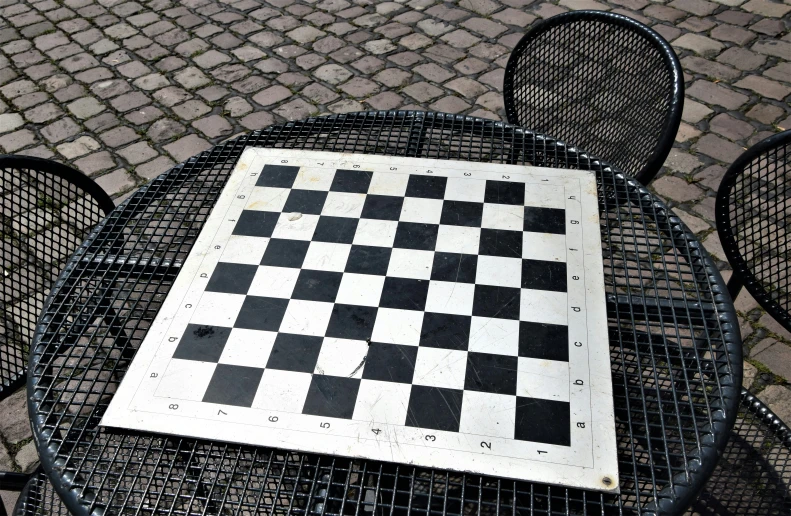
x,y
602,82
48,209
753,214
753,476
39,498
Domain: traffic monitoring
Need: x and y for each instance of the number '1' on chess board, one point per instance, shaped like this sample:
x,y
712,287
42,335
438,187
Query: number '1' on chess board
x,y
440,314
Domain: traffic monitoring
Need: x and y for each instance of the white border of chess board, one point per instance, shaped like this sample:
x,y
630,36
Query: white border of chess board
x,y
585,464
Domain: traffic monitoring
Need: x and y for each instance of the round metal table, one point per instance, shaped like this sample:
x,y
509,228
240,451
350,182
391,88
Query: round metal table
x,y
674,346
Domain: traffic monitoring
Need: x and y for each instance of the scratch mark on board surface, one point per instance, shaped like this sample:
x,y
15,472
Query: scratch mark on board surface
x,y
362,363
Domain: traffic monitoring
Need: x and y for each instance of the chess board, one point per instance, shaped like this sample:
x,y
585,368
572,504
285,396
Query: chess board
x,y
435,313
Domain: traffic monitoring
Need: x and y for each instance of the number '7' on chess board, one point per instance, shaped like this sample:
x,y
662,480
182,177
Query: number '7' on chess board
x,y
441,314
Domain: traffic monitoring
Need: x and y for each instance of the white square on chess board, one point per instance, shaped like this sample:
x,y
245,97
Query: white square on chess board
x,y
434,313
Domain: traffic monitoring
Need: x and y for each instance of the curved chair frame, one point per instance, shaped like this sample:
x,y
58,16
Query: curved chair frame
x,y
742,273
761,443
672,118
79,180
16,374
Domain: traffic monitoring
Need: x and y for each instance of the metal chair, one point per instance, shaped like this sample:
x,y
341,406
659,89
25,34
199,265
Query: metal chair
x,y
38,498
604,81
47,211
753,214
753,477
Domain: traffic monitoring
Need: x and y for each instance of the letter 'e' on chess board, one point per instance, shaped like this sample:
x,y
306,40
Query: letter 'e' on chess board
x,y
441,314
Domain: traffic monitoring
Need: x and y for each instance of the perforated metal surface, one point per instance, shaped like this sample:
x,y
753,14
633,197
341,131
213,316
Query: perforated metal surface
x,y
609,84
47,211
38,498
675,396
753,211
753,477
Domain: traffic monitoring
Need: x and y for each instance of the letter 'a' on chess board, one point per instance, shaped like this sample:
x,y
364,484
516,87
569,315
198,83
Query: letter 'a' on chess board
x,y
440,314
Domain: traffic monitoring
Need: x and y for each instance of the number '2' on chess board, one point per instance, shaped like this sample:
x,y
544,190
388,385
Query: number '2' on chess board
x,y
440,314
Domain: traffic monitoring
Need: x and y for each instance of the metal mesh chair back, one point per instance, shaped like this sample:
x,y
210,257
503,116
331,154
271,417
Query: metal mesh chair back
x,y
753,477
48,210
753,211
603,81
38,498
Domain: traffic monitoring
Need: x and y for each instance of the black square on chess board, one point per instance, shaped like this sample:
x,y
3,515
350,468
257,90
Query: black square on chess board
x,y
417,301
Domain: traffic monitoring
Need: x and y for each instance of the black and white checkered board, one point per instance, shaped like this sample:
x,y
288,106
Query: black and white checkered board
x,y
436,313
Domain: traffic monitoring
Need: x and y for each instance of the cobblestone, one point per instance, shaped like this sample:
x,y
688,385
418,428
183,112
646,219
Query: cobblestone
x,y
124,90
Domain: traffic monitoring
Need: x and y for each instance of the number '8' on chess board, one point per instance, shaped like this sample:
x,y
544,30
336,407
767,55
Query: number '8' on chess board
x,y
435,313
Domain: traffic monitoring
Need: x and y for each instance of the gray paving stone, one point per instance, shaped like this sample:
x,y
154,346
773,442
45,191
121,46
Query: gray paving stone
x,y
213,126
129,101
164,130
27,458
118,136
405,58
191,78
450,104
466,87
210,59
764,87
777,358
155,167
60,130
385,100
710,92
43,113
102,122
17,88
676,189
111,88
186,147
483,7
718,148
10,122
768,322
422,91
731,128
14,425
257,120
709,68
116,182
331,73
6,463
766,8
379,46
768,27
711,176
765,113
433,72
151,81
190,109
137,153
79,147
776,48
85,107
93,75
296,109
695,224
359,87
778,399
144,115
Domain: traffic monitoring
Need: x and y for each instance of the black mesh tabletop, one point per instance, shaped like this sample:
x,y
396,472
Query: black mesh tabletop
x,y
674,347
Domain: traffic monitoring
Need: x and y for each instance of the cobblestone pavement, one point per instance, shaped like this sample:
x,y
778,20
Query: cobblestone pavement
x,y
122,90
